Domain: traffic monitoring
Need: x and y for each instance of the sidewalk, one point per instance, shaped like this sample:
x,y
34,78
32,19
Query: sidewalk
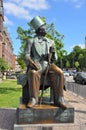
x,y
7,116
79,105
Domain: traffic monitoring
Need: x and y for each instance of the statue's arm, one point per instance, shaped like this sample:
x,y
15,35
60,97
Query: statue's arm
x,y
52,49
27,55
27,52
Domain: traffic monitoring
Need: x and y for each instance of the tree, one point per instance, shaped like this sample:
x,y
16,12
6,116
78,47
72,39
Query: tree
x,y
77,65
21,61
23,35
77,55
80,58
3,65
67,64
83,62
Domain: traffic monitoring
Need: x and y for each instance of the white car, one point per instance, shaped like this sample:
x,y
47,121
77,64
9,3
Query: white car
x,y
66,74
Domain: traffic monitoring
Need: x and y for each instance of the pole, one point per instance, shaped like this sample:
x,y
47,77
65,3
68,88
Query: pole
x,y
50,55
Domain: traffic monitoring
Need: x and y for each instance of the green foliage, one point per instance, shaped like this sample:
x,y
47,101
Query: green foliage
x,y
77,58
20,60
58,38
77,64
3,65
67,64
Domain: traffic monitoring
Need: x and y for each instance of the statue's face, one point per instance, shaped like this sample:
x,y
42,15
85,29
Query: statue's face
x,y
41,31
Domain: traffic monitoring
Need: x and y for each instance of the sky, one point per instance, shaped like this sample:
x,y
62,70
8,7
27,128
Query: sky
x,y
68,16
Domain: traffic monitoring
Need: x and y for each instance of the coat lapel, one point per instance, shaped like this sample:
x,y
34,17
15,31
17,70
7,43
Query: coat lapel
x,y
40,46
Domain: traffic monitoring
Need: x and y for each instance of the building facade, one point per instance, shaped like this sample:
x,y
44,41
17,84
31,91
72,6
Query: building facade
x,y
6,48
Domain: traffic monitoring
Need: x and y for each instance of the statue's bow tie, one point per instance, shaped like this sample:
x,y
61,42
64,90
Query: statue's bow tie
x,y
42,38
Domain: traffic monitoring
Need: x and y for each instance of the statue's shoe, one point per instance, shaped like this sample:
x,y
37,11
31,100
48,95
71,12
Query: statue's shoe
x,y
22,106
61,102
32,102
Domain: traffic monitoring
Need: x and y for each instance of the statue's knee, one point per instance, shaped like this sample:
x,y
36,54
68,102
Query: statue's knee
x,y
32,71
62,73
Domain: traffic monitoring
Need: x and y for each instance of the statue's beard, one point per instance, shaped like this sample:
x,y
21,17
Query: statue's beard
x,y
41,32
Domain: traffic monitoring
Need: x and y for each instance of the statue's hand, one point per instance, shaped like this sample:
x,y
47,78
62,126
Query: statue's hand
x,y
30,60
44,57
33,64
52,49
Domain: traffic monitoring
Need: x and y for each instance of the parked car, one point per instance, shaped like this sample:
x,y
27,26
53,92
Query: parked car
x,y
75,75
80,77
11,76
71,73
66,73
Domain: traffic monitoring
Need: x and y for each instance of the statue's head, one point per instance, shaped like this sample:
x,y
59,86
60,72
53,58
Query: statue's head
x,y
39,25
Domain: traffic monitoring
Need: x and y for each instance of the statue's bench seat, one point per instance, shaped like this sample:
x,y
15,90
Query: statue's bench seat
x,y
22,80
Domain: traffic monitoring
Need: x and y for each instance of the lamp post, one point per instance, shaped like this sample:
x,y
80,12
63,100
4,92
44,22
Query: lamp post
x,y
85,42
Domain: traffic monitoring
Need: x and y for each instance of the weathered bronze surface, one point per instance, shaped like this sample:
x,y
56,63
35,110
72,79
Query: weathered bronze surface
x,y
42,72
39,56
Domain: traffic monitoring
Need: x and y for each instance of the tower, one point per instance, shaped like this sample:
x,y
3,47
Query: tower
x,y
85,42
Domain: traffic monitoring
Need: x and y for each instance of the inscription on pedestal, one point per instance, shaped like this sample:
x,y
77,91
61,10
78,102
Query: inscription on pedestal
x,y
41,114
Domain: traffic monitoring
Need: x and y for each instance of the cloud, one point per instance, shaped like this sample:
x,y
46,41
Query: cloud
x,y
81,45
16,10
7,21
76,3
35,4
32,4
23,8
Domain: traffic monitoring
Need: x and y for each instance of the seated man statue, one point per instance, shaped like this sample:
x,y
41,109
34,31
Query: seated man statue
x,y
38,51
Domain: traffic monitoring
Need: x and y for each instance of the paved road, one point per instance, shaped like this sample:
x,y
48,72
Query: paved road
x,y
77,88
69,78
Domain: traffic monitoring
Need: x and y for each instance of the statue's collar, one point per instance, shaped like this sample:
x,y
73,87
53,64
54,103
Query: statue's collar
x,y
42,37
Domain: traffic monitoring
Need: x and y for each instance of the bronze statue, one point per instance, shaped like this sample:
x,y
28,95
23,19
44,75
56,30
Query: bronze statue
x,y
39,56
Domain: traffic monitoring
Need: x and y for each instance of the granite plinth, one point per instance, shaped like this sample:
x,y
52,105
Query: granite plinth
x,y
59,126
45,114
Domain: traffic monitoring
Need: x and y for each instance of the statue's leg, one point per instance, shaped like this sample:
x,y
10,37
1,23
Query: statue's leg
x,y
25,93
25,96
34,85
57,81
54,86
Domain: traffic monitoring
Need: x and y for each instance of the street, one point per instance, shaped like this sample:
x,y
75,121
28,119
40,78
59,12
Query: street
x,y
77,88
69,79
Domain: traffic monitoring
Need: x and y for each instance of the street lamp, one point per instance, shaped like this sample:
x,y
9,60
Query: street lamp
x,y
85,42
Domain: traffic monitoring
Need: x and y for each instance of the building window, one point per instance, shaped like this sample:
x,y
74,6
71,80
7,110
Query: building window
x,y
1,10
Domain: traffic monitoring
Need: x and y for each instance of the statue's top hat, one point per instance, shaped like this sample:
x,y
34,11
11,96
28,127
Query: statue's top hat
x,y
36,22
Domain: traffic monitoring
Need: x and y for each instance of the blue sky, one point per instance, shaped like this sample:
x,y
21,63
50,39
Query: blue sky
x,y
68,16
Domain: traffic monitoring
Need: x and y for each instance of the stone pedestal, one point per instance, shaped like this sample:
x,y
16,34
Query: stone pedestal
x,y
67,126
45,114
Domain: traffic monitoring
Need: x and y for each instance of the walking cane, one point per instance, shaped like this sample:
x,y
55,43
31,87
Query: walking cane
x,y
50,55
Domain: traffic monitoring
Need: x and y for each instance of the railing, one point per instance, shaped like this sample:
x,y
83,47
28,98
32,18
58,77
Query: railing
x,y
79,89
